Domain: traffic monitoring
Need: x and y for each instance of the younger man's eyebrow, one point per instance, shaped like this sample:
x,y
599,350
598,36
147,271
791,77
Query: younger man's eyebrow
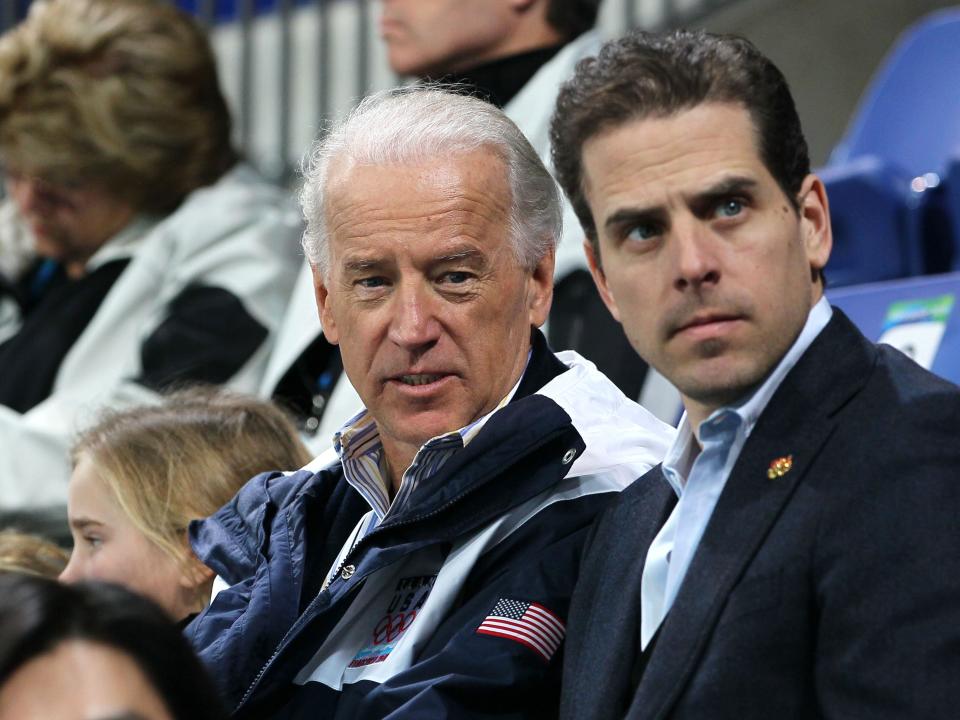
x,y
726,188
636,216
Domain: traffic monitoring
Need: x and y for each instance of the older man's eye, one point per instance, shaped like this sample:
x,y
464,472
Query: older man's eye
x,y
456,277
372,283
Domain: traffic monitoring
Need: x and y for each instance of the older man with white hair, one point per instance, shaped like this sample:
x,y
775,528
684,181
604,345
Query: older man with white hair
x,y
479,460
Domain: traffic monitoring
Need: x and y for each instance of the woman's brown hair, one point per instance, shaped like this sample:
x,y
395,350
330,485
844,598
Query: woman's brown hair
x,y
121,93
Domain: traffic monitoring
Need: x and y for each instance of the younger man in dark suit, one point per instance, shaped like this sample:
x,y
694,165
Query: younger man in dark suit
x,y
796,555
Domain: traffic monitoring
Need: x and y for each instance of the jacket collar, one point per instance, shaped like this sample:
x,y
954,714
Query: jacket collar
x,y
613,628
797,422
541,369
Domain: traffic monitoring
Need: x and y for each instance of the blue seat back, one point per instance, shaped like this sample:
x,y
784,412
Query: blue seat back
x,y
917,315
874,223
910,114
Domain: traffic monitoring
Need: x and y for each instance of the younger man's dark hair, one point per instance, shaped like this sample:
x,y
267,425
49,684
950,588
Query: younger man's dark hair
x,y
646,75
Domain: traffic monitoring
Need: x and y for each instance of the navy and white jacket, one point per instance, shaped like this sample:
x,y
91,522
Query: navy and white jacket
x,y
492,539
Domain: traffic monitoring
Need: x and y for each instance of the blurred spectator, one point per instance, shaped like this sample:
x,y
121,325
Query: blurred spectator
x,y
142,474
94,651
30,554
152,257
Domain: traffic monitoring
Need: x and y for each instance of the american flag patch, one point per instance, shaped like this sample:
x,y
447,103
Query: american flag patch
x,y
529,624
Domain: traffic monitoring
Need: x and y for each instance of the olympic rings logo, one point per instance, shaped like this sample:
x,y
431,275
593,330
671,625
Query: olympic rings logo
x,y
392,626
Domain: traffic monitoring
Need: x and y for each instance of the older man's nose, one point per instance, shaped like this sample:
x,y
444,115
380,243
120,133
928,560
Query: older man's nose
x,y
414,322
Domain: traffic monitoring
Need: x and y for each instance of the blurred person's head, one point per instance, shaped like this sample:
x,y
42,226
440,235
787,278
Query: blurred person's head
x,y
431,227
94,652
436,37
108,108
683,156
142,474
22,552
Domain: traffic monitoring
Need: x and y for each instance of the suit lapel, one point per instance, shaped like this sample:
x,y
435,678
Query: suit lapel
x,y
611,600
795,424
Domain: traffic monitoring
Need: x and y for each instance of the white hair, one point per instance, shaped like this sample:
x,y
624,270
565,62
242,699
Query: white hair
x,y
420,123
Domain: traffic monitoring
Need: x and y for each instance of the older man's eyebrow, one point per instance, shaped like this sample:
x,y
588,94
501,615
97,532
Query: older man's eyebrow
x,y
360,265
471,256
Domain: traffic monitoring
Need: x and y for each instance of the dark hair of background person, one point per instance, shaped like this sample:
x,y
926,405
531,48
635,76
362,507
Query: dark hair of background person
x,y
653,75
39,614
121,92
572,17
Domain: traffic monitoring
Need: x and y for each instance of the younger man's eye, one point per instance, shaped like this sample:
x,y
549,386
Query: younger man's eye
x,y
730,208
643,231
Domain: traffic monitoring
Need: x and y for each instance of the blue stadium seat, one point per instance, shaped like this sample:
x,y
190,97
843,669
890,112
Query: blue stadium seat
x,y
910,114
875,222
951,204
917,315
884,179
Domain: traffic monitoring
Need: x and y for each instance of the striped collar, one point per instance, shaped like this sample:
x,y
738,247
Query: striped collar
x,y
364,463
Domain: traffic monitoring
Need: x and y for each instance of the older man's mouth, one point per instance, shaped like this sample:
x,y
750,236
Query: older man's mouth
x,y
420,384
423,379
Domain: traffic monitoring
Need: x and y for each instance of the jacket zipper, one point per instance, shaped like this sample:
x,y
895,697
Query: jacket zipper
x,y
300,621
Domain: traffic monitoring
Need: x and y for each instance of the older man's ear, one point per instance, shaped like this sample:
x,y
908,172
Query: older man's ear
x,y
327,322
540,289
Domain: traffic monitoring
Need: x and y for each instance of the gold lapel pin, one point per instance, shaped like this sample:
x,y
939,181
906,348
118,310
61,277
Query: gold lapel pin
x,y
780,467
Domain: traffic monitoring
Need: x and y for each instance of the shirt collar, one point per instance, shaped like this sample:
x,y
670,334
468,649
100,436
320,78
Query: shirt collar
x,y
680,456
751,408
361,454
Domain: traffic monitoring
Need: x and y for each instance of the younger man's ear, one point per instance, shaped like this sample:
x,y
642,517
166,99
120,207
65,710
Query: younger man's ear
x,y
815,221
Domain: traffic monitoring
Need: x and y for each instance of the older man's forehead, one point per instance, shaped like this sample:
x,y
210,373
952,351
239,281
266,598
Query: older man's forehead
x,y
483,163
460,195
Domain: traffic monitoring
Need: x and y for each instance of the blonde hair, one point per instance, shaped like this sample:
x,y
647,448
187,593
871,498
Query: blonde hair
x,y
183,459
30,555
122,93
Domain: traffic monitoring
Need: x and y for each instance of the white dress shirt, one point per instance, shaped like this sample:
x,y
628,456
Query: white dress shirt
x,y
697,468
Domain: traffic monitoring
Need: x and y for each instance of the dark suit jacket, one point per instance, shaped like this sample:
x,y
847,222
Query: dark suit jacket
x,y
832,591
